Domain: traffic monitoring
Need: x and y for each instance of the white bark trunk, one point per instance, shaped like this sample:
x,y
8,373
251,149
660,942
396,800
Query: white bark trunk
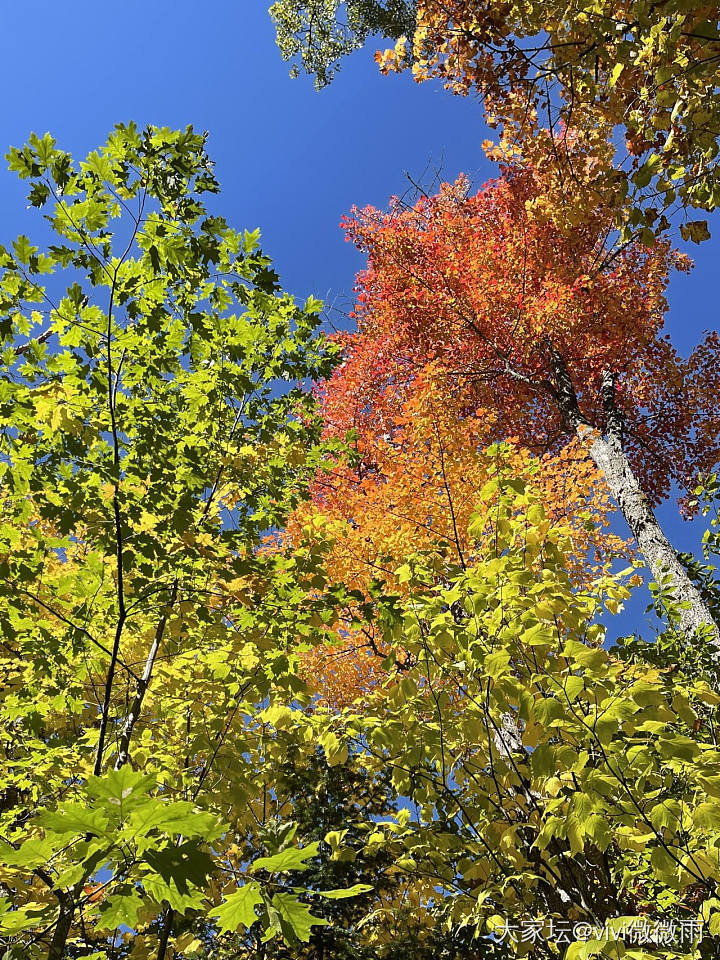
x,y
133,715
655,547
610,457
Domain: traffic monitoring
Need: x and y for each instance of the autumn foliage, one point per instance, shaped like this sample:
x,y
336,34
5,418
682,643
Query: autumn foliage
x,y
431,489
649,69
417,486
463,304
466,296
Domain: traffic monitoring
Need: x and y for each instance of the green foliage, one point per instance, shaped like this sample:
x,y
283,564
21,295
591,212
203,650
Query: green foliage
x,y
552,779
335,810
238,909
670,649
707,499
153,430
308,799
162,791
319,33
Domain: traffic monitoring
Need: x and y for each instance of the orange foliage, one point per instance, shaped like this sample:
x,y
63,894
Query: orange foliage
x,y
417,488
463,300
95,892
465,297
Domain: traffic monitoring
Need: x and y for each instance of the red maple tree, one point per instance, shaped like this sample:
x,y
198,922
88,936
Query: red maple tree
x,y
541,333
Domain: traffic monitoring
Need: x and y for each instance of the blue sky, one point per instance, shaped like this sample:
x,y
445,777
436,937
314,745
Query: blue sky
x,y
290,160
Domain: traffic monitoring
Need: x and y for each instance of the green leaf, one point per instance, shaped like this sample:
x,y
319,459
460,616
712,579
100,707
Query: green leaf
x,y
75,818
99,165
647,171
238,909
184,864
120,909
355,890
24,249
573,686
707,816
121,790
542,760
173,817
34,852
293,858
15,921
181,897
296,916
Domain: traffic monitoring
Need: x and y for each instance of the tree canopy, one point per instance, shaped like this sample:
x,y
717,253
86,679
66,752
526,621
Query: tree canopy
x,y
596,805
517,329
313,646
545,70
152,435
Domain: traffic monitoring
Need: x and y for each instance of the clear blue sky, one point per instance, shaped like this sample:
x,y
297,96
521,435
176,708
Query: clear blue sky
x,y
290,160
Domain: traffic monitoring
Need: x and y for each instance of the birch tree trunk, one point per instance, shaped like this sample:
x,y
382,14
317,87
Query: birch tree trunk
x,y
606,450
655,547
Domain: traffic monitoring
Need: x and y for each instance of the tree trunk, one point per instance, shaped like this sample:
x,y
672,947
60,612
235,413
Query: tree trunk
x,y
653,544
67,903
133,714
168,918
610,458
62,928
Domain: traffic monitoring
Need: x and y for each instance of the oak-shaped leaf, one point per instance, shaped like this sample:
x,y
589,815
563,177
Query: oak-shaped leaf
x,y
238,909
296,921
292,858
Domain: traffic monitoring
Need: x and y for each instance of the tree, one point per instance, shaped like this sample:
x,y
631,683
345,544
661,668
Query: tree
x,y
415,485
545,69
668,649
333,806
315,32
601,807
535,331
413,488
151,437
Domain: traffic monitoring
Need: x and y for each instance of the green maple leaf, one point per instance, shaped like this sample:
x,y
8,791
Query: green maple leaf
x,y
184,864
121,908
